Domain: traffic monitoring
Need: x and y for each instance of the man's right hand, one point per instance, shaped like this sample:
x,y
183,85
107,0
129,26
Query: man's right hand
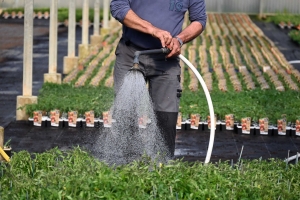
x,y
164,36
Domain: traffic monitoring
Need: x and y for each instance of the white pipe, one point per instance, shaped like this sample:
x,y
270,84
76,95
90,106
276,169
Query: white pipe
x,y
292,158
294,62
210,106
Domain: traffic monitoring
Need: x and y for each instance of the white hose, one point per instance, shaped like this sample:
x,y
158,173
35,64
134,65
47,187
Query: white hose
x,y
292,158
294,62
210,106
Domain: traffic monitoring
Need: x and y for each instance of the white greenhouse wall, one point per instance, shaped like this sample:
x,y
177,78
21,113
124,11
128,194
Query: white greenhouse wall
x,y
242,6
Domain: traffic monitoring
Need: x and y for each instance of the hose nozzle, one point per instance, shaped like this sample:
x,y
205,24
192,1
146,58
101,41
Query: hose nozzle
x,y
136,67
138,53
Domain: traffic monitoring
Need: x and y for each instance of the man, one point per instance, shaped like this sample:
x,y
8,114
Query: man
x,y
154,24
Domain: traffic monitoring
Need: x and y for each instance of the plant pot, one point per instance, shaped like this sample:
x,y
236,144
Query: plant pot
x,y
66,22
20,15
282,25
242,131
188,126
281,128
218,127
290,25
269,132
43,123
181,126
89,120
40,15
207,124
46,15
13,15
38,119
6,15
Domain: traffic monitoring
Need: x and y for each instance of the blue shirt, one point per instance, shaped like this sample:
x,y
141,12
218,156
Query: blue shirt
x,y
167,15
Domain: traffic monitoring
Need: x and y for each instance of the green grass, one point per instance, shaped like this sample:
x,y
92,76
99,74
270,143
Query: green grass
x,y
77,175
66,98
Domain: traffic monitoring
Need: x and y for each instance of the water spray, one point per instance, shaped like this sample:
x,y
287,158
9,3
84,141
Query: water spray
x,y
125,140
205,89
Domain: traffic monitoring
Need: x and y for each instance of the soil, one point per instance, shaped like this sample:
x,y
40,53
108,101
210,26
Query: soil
x,y
190,145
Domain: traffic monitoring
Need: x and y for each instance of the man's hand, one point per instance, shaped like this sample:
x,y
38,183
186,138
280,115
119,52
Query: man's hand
x,y
168,41
175,48
164,36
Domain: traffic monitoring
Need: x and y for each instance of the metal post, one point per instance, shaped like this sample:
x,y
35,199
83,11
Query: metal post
x,y
53,38
27,97
220,6
71,61
96,39
261,8
85,22
1,137
105,27
96,17
53,76
84,47
72,28
28,47
1,140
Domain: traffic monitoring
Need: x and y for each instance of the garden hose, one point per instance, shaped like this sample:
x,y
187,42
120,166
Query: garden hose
x,y
210,106
294,62
292,158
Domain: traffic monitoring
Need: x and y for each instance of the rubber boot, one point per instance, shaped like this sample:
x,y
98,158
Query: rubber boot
x,y
166,122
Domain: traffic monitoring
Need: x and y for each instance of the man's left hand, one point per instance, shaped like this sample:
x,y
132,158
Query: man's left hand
x,y
175,48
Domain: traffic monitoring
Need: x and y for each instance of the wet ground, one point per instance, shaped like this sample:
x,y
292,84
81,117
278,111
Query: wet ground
x,y
190,144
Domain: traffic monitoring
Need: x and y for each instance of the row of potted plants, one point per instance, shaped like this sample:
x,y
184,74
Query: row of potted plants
x,y
55,118
90,67
106,64
286,20
44,13
270,57
193,83
94,59
237,58
290,21
203,65
244,126
94,68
